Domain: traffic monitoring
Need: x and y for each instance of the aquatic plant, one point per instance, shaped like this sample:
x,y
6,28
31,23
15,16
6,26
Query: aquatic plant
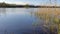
x,y
52,21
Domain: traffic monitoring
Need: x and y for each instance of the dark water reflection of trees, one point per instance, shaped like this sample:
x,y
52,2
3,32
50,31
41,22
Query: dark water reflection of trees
x,y
2,11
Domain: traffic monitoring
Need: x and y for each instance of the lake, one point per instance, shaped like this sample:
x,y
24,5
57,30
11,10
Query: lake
x,y
17,20
20,21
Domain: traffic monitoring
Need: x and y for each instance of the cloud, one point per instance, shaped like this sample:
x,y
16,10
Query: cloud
x,y
31,2
18,3
1,0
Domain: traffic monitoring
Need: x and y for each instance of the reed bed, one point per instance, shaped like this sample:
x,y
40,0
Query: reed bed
x,y
51,16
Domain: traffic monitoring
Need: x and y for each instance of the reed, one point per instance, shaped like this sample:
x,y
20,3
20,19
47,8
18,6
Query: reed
x,y
51,17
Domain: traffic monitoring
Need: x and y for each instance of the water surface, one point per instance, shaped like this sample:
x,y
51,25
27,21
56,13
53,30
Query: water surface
x,y
16,20
21,21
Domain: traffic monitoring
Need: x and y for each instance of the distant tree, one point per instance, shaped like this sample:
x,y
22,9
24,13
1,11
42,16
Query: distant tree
x,y
3,4
26,5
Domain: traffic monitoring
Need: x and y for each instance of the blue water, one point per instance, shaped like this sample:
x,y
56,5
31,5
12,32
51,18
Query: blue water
x,y
20,21
16,20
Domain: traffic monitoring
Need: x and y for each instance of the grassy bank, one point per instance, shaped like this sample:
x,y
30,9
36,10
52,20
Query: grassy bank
x,y
51,18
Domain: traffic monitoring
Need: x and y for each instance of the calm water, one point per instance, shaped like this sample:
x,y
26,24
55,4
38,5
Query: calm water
x,y
17,20
21,21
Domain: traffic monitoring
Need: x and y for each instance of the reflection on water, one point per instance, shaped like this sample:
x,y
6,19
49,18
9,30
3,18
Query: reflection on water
x,y
16,20
2,11
21,21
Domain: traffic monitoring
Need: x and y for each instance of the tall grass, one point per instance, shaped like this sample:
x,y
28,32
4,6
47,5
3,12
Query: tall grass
x,y
51,18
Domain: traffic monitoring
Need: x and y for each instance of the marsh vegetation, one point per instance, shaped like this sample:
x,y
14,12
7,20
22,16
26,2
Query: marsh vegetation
x,y
51,18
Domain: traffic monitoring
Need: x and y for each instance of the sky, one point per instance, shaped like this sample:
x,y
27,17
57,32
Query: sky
x,y
31,2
